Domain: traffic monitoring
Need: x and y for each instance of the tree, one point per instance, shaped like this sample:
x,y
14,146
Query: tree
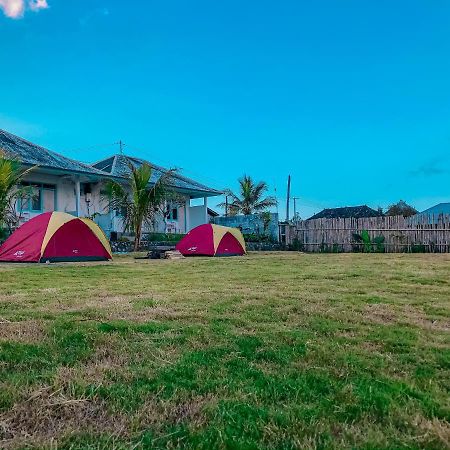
x,y
250,199
401,209
11,175
172,200
137,200
266,218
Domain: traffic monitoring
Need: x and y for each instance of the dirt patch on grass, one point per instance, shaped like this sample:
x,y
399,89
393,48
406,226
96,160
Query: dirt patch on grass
x,y
45,416
94,373
417,317
435,427
193,410
27,331
383,313
49,417
110,356
113,359
380,313
49,290
119,307
16,297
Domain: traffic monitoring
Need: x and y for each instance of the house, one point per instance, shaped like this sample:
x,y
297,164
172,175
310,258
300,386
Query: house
x,y
58,182
347,212
440,208
64,184
261,224
182,216
435,214
212,215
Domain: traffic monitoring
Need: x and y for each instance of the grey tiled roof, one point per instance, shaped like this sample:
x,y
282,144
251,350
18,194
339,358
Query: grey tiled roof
x,y
440,208
31,154
118,165
346,212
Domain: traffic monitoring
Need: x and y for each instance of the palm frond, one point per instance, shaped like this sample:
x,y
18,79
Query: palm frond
x,y
265,204
139,200
11,175
250,196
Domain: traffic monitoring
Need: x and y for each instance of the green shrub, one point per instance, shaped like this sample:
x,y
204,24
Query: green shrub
x,y
368,245
3,234
254,237
365,238
164,237
297,246
379,243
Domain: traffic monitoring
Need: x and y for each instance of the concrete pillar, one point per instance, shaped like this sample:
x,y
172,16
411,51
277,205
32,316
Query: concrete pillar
x,y
77,197
187,222
205,204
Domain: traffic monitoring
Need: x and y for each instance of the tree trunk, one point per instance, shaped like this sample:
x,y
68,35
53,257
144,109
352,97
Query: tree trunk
x,y
137,237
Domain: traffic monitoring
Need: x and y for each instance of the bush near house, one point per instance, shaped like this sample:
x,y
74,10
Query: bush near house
x,y
164,237
255,237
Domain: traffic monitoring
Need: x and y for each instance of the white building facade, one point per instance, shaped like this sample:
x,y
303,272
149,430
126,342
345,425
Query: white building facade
x,y
62,184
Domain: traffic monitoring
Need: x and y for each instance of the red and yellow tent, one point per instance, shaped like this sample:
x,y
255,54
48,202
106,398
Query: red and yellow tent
x,y
56,236
212,240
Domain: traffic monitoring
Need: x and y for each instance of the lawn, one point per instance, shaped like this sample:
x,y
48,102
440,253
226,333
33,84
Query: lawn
x,y
280,351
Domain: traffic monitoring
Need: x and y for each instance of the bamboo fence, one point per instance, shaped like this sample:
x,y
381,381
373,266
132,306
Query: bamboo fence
x,y
392,234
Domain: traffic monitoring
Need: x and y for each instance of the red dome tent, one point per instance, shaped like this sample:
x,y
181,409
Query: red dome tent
x,y
56,236
212,240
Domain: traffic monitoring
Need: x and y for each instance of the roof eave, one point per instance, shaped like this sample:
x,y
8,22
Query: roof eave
x,y
196,193
61,171
193,193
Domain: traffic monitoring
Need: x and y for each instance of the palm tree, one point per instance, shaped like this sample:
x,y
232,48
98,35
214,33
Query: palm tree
x,y
250,199
11,176
138,201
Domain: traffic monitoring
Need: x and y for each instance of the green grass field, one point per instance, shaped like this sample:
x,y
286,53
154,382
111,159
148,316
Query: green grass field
x,y
278,351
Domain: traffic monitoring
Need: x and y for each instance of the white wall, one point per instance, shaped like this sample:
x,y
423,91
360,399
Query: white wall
x,y
66,202
197,216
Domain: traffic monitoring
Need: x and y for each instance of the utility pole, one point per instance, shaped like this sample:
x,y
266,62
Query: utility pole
x,y
226,205
288,197
121,145
276,197
295,206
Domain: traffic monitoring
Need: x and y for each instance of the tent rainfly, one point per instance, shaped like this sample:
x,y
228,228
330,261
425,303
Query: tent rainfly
x,y
212,240
54,237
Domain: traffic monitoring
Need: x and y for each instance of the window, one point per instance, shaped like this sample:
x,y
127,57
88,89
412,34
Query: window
x,y
49,200
85,188
36,198
171,212
40,197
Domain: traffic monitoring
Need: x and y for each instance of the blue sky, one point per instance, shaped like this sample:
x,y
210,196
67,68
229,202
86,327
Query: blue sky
x,y
352,98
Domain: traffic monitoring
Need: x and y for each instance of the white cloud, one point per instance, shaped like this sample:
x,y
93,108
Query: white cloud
x,y
36,5
12,8
15,9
